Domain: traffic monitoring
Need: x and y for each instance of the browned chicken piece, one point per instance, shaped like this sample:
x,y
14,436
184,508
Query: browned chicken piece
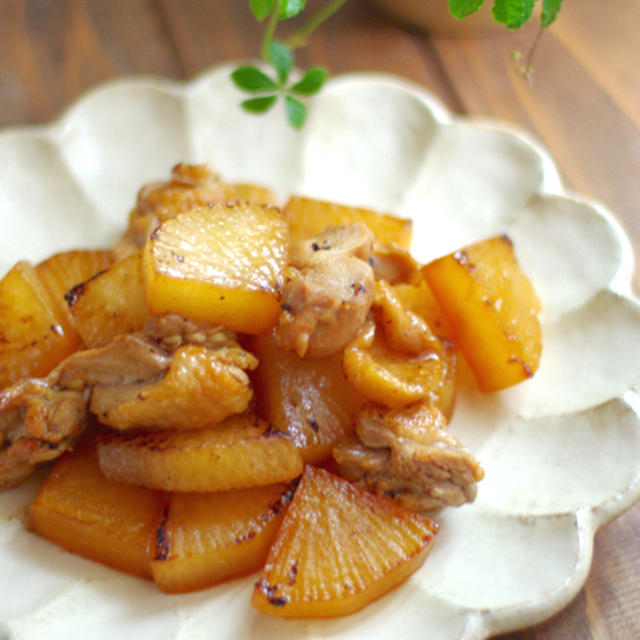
x,y
404,330
190,186
408,456
327,292
323,307
37,423
394,264
201,388
177,374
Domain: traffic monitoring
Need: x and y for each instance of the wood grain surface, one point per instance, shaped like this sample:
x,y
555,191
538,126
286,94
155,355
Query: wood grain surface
x,y
583,105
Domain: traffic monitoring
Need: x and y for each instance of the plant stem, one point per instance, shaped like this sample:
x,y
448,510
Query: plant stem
x,y
268,34
525,69
532,51
300,38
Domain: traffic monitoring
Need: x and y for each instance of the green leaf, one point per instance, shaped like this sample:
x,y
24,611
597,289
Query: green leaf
x,y
311,82
462,8
296,112
290,8
281,57
262,8
550,10
258,105
253,80
512,13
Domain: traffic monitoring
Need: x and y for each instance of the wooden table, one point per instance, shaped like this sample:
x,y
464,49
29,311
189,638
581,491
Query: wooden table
x,y
583,104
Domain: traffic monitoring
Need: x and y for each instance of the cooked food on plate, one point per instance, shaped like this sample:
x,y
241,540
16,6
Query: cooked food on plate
x,y
236,386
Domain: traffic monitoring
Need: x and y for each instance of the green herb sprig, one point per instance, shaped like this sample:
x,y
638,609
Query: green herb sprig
x,y
513,14
279,54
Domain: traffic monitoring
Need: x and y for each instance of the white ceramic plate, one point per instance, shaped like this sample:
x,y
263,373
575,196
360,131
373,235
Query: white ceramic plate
x,y
561,451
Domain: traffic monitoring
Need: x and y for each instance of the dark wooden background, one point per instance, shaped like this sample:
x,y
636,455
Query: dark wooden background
x,y
583,104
